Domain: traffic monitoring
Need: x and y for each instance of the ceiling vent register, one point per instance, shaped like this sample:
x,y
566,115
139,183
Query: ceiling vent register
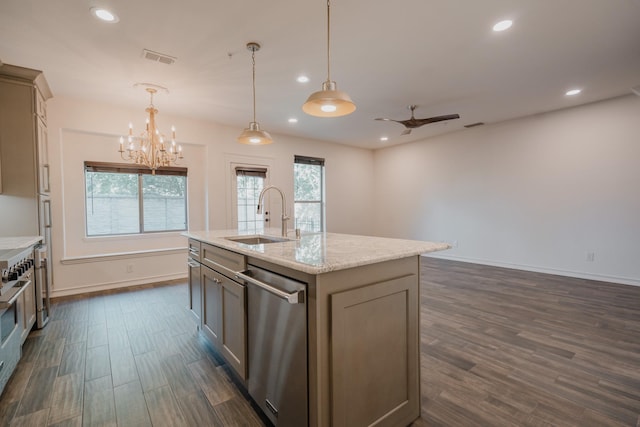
x,y
158,57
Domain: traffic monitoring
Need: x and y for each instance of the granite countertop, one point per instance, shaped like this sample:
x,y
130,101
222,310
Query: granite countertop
x,y
19,242
317,253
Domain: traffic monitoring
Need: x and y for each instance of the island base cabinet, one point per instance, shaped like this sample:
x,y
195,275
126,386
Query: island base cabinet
x,y
224,318
195,291
374,356
212,310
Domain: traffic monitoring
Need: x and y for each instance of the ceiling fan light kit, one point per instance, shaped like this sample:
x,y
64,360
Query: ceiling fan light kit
x,y
329,102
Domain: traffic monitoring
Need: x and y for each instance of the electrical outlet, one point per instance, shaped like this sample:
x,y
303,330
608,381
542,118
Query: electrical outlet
x,y
591,256
129,268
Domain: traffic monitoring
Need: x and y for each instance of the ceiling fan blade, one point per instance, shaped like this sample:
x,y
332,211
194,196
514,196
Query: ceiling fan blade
x,y
406,132
437,119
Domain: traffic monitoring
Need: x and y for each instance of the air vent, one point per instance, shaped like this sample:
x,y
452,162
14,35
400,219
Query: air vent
x,y
472,125
636,90
158,57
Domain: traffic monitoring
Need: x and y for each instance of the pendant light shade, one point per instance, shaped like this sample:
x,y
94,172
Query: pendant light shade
x,y
329,102
253,135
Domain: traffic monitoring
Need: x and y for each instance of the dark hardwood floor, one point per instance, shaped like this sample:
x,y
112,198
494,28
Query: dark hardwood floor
x,y
499,347
504,347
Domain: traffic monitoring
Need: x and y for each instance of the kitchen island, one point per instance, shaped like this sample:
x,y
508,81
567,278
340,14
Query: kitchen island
x,y
359,328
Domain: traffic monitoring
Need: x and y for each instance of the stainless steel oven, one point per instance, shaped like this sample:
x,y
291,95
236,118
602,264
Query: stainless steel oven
x,y
16,266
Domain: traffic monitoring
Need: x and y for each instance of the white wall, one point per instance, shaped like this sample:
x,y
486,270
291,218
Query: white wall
x,y
537,193
82,130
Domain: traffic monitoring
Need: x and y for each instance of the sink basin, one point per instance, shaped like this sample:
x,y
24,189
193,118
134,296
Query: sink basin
x,y
257,240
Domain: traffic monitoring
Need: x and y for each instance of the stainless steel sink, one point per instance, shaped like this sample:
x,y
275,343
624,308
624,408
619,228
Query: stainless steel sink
x,y
257,240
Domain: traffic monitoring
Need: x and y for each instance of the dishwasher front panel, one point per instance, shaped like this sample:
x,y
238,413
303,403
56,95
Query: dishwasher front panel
x,y
277,350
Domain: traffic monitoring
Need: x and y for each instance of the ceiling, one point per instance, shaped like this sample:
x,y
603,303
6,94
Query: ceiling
x,y
441,55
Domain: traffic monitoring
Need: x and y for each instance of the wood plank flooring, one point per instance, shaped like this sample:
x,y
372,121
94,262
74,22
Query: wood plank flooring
x,y
499,347
504,347
130,358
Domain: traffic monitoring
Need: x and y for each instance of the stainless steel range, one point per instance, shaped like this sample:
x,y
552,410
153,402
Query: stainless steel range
x,y
16,266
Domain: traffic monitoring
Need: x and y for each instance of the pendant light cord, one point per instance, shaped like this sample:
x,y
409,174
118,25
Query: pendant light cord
x,y
253,60
328,40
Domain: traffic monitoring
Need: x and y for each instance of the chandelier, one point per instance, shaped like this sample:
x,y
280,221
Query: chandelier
x,y
150,148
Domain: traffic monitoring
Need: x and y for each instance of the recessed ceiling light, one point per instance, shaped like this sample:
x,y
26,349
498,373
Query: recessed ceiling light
x,y
384,138
573,92
104,15
293,120
302,79
503,25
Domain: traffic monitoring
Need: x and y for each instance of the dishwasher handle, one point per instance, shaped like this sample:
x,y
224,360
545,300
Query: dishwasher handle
x,y
296,297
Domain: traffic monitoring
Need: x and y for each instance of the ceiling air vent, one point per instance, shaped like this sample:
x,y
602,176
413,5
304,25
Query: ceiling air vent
x,y
158,57
472,125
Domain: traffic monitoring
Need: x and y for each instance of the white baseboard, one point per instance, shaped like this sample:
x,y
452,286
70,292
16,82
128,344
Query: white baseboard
x,y
105,286
567,273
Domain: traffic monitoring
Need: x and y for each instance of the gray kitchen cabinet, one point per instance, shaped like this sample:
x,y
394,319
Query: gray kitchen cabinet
x,y
24,156
233,340
212,313
27,310
224,306
195,281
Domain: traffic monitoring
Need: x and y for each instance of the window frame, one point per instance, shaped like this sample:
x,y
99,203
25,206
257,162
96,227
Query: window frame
x,y
239,169
134,169
312,161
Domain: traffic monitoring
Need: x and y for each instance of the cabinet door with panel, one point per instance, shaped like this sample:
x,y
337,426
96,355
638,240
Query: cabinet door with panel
x,y
211,283
28,310
378,333
43,158
234,326
195,290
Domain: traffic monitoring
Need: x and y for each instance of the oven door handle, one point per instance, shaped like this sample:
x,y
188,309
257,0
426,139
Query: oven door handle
x,y
296,297
12,298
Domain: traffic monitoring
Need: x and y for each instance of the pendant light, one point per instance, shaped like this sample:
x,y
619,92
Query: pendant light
x,y
329,102
253,135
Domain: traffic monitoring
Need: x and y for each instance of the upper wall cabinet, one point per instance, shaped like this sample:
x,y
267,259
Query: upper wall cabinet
x,y
23,134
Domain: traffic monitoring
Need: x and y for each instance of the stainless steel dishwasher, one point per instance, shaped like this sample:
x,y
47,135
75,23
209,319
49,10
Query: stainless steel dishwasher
x,y
277,345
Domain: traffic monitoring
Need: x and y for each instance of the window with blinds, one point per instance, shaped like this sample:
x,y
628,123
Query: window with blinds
x,y
128,199
249,183
308,181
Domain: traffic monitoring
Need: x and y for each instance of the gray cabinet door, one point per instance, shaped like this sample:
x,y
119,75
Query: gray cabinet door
x,y
212,313
234,326
374,354
195,291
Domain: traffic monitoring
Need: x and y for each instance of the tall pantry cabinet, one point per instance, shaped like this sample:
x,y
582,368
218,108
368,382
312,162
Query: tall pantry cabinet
x,y
25,204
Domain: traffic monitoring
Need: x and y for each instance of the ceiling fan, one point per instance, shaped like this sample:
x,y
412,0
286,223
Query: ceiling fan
x,y
413,123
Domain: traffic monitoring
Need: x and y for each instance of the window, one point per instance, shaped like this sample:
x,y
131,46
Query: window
x,y
308,191
126,199
249,184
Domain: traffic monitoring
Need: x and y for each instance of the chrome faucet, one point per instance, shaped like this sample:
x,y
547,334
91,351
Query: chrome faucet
x,y
284,206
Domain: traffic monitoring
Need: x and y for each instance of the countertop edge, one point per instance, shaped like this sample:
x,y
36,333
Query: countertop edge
x,y
361,249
